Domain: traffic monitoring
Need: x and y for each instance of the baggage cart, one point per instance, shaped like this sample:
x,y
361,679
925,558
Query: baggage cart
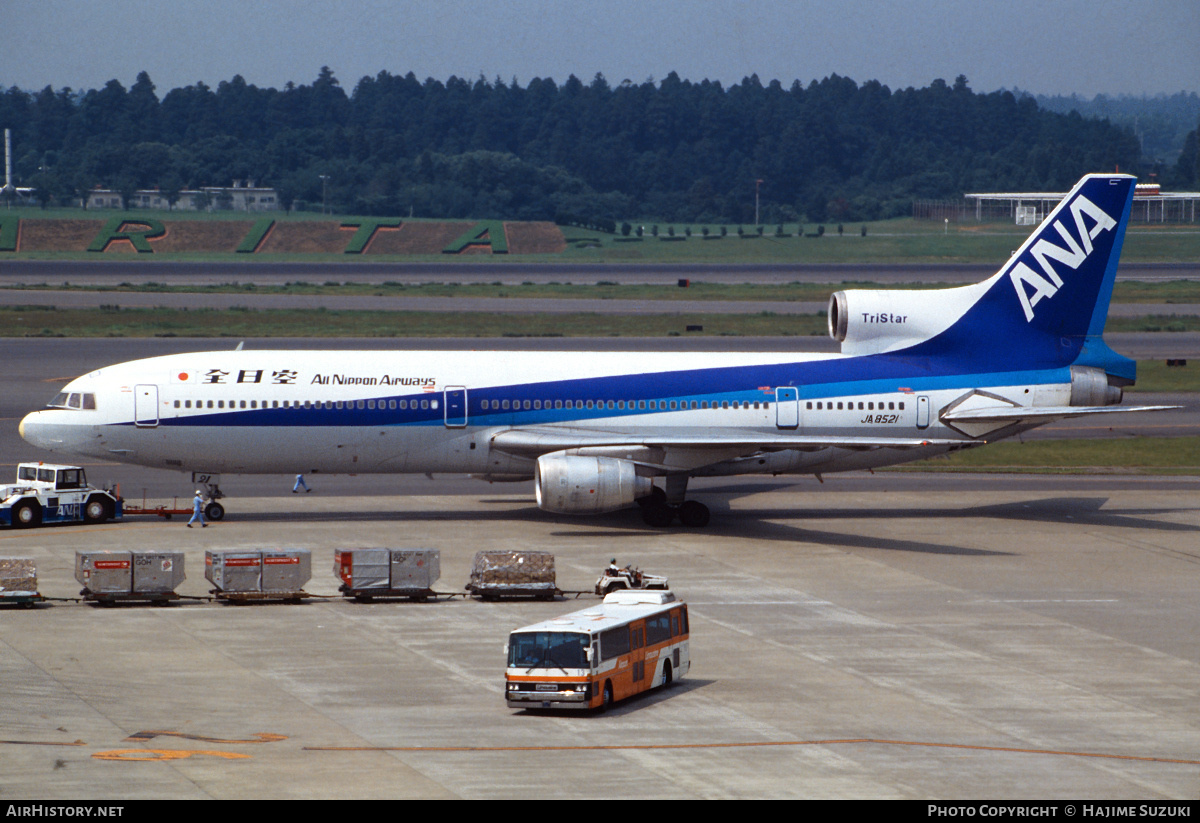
x,y
18,582
367,574
111,577
497,574
243,576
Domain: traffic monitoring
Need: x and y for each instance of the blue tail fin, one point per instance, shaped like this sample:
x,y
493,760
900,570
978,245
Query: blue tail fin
x,y
1063,275
1047,305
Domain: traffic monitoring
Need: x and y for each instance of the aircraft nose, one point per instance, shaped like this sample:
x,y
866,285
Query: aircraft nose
x,y
35,431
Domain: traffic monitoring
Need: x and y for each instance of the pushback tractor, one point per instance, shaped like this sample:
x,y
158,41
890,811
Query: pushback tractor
x,y
49,493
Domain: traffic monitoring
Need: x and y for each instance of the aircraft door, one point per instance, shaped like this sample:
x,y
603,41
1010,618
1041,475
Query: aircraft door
x,y
145,405
922,412
787,407
456,407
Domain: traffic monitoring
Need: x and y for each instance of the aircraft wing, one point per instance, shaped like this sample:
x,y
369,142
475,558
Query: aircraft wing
x,y
683,452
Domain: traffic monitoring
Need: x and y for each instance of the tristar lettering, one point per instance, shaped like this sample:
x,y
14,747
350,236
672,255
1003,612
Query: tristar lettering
x,y
884,317
1073,256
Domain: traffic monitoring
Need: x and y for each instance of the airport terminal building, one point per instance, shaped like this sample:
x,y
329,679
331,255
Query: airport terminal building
x,y
243,195
1150,205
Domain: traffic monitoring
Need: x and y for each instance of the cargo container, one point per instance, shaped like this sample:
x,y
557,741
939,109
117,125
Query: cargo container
x,y
370,573
270,574
286,570
129,576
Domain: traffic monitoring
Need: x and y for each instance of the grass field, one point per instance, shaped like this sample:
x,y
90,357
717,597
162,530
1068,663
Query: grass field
x,y
897,241
1147,455
1176,291
890,241
112,321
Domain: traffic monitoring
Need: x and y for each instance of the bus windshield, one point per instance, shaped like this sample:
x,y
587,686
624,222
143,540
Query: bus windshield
x,y
539,650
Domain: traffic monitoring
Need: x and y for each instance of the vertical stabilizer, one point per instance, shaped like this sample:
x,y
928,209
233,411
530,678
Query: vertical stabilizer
x,y
1047,305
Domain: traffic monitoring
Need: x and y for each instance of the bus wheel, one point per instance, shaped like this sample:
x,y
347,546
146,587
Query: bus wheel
x,y
606,697
668,678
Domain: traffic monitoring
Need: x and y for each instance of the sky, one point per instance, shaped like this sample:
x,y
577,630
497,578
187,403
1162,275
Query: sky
x,y
1083,47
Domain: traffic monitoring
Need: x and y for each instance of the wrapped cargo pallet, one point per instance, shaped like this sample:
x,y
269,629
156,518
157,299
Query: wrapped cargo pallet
x,y
18,577
513,574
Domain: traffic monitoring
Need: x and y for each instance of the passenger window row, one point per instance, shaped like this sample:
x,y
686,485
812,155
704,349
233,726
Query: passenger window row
x,y
404,405
485,405
619,405
867,405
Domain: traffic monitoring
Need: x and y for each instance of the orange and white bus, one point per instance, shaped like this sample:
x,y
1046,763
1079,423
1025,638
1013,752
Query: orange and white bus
x,y
590,659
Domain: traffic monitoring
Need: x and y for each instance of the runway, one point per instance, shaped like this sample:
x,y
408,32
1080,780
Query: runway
x,y
493,305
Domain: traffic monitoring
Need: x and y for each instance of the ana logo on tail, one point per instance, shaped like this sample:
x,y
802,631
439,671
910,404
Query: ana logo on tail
x,y
1031,286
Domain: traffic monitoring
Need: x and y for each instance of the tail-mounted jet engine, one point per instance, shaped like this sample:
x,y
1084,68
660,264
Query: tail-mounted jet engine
x,y
870,321
1090,387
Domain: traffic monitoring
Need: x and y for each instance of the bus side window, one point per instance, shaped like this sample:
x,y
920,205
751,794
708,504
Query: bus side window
x,y
658,629
614,643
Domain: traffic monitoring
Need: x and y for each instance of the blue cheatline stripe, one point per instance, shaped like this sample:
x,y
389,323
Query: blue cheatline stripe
x,y
873,374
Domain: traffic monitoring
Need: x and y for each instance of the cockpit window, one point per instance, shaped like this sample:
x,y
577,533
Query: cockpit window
x,y
74,400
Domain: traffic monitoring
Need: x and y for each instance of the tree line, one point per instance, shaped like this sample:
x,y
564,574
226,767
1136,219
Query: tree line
x,y
672,150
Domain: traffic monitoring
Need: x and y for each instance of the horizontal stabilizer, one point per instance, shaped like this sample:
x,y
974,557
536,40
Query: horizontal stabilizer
x,y
1011,414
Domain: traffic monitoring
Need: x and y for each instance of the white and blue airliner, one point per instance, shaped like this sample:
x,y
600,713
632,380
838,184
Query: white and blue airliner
x,y
920,373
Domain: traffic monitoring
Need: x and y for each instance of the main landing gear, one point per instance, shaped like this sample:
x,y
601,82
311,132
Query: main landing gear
x,y
662,507
210,483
